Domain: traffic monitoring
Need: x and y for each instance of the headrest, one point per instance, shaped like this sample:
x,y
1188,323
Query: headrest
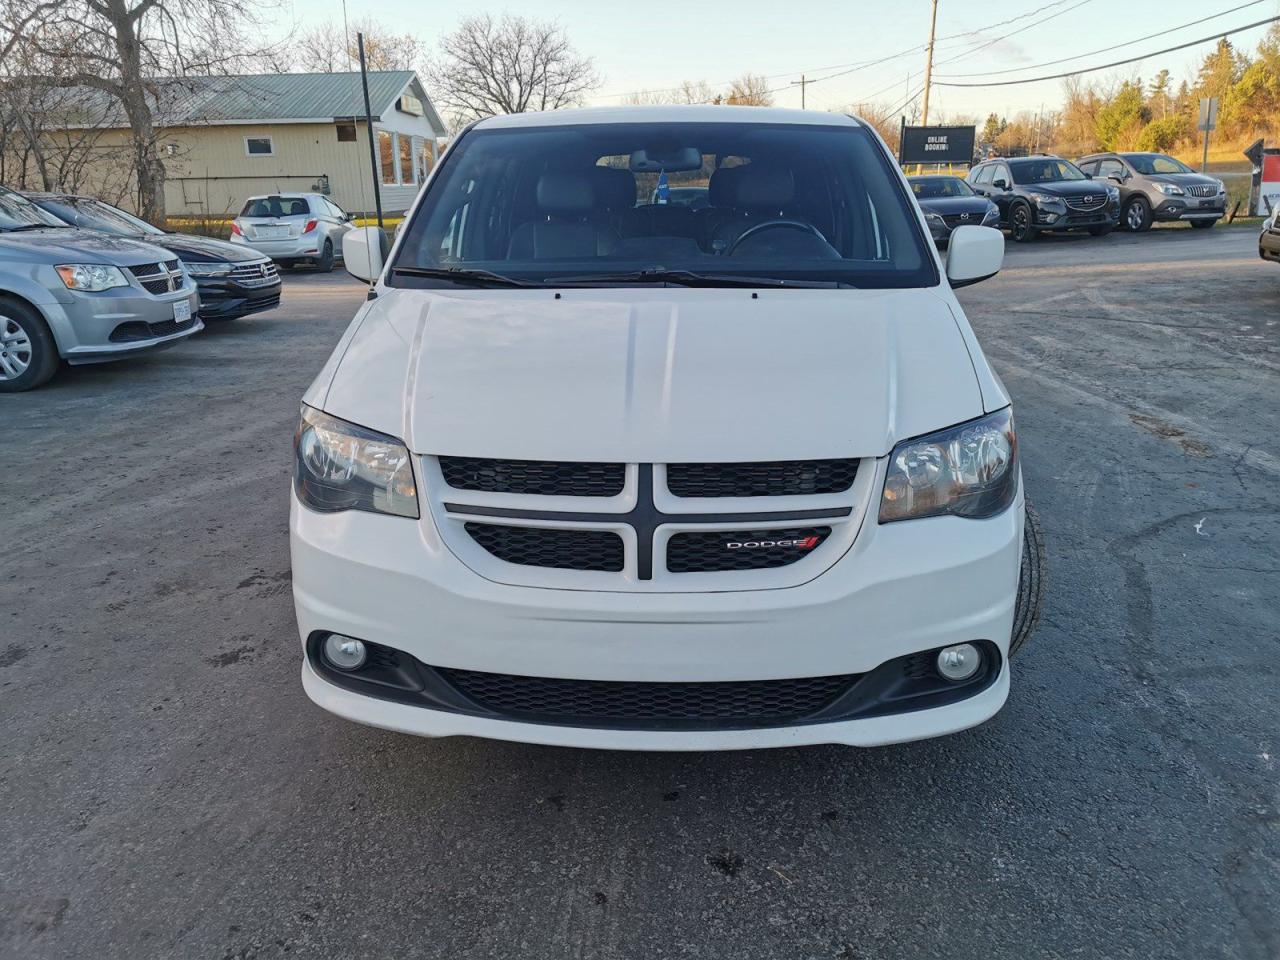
x,y
720,186
615,187
762,187
565,193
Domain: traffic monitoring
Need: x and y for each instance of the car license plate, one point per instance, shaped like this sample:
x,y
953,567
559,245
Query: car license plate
x,y
268,233
182,311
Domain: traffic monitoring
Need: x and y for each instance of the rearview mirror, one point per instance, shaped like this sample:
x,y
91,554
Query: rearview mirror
x,y
670,160
364,251
974,254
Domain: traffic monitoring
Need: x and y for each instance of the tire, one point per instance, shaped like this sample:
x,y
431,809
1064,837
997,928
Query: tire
x,y
1136,216
324,262
1031,582
1022,223
28,353
1201,224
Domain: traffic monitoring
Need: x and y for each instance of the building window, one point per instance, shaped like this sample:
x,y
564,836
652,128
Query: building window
x,y
386,157
346,133
406,160
259,147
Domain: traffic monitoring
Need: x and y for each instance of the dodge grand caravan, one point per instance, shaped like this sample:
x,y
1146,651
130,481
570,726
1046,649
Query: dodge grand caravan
x,y
591,470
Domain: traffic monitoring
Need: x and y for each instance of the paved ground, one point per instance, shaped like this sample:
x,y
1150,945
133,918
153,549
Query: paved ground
x,y
170,792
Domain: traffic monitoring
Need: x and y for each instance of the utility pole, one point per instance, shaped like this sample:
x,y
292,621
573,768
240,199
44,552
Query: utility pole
x,y
801,83
368,121
928,64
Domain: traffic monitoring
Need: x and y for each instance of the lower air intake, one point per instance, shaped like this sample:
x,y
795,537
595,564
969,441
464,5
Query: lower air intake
x,y
542,547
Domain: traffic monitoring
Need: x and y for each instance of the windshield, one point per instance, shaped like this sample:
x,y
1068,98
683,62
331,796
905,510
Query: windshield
x,y
19,213
1045,171
276,207
927,188
601,203
1146,163
96,215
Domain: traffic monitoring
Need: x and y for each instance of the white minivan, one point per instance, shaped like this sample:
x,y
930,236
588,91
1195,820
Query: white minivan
x,y
594,469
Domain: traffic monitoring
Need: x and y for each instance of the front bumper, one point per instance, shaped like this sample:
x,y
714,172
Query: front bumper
x,y
1190,208
113,324
1269,244
1107,216
292,248
902,588
222,299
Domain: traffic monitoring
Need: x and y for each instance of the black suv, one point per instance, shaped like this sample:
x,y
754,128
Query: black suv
x,y
1042,193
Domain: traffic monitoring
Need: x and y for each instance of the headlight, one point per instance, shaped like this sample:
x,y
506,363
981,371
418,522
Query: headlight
x,y
1222,187
970,470
1113,193
207,269
91,277
991,216
339,466
1169,189
934,220
1044,199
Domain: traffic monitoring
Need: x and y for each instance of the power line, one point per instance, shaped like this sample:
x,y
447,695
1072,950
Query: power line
x,y
1013,33
1093,53
1117,63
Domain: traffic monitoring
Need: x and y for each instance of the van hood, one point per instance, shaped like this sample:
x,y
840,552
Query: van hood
x,y
73,245
659,376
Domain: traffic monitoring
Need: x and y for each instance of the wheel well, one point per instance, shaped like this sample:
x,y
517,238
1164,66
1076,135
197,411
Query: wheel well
x,y
8,296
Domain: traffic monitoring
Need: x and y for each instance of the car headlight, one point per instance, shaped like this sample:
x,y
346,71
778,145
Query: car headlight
x,y
91,277
1169,189
340,466
207,269
1222,187
1113,194
969,470
991,216
1044,199
934,220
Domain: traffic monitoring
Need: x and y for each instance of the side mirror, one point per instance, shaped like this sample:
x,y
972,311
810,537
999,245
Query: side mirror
x,y
364,251
974,254
1000,184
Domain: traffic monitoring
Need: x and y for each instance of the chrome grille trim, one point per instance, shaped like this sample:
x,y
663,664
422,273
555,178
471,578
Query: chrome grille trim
x,y
1201,191
1087,204
259,273
159,278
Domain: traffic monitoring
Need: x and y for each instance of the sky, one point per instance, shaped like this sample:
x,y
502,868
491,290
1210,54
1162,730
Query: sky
x,y
659,44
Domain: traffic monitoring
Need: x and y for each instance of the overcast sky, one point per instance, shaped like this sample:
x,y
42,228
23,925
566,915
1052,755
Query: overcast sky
x,y
643,46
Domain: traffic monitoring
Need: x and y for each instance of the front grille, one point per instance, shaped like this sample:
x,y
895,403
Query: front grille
x,y
960,219
259,274
1096,202
759,703
784,478
159,278
1201,191
741,550
561,548
547,478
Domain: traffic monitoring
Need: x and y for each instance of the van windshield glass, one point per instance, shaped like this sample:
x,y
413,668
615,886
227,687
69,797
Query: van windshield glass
x,y
19,213
689,203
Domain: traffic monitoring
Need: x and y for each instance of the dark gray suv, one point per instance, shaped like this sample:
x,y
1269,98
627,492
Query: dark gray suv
x,y
1154,187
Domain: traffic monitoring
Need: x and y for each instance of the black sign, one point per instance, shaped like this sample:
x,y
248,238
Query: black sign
x,y
936,145
1254,153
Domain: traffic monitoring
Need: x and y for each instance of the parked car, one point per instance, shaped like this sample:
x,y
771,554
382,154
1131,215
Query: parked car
x,y
1154,187
948,202
1269,238
232,281
81,296
743,481
293,228
696,197
1042,193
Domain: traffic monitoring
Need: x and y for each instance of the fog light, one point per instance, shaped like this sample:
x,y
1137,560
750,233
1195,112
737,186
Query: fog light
x,y
956,663
347,653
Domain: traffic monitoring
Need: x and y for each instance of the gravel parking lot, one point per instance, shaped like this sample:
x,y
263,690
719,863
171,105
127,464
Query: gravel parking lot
x,y
170,791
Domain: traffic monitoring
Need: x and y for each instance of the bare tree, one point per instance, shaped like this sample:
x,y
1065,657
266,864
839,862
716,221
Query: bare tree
x,y
750,90
322,49
691,91
121,48
509,65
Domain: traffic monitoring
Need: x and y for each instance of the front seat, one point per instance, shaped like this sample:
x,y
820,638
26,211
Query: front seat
x,y
567,228
760,193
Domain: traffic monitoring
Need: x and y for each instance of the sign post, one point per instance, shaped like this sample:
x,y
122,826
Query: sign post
x,y
936,145
1208,121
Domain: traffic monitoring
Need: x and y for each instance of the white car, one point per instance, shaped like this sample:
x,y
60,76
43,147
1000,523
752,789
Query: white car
x,y
591,471
293,228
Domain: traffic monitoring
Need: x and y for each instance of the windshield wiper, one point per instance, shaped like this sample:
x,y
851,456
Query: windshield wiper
x,y
688,278
465,275
37,226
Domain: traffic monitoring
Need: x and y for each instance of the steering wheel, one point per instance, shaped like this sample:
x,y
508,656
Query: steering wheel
x,y
774,225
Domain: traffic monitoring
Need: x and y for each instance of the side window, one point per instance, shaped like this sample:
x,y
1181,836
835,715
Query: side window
x,y
1001,172
387,158
1109,168
1089,166
259,147
983,175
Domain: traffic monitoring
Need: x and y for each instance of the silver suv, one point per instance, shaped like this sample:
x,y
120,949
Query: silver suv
x,y
80,296
1154,187
293,227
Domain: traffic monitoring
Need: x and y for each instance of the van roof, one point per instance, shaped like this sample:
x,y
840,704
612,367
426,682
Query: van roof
x,y
696,113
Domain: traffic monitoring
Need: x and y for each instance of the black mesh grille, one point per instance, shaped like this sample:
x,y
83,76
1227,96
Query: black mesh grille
x,y
534,476
777,479
138,330
758,703
742,549
559,548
